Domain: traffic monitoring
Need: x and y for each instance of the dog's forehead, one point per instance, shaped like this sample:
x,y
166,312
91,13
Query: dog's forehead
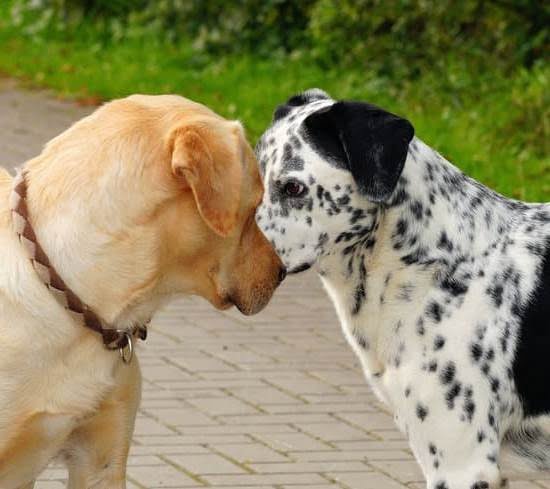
x,y
280,146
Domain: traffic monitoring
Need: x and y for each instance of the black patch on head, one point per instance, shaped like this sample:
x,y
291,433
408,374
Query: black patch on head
x,y
531,362
368,141
303,98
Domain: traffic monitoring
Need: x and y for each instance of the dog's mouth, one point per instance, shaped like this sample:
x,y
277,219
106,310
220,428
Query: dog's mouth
x,y
300,268
223,302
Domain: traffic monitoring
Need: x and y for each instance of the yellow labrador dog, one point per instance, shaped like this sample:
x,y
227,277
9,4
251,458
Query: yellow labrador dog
x,y
148,197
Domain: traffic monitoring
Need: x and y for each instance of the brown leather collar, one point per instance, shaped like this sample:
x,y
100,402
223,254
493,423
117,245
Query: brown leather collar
x,y
113,339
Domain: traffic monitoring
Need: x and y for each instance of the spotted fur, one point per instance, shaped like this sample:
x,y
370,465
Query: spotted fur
x,y
442,286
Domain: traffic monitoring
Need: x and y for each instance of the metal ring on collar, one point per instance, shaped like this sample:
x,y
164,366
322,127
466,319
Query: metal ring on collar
x,y
127,351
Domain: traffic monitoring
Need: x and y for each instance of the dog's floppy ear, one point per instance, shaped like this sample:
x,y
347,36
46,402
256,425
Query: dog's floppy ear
x,y
300,99
209,162
372,143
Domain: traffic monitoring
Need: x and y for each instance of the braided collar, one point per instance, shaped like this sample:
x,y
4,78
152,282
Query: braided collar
x,y
113,339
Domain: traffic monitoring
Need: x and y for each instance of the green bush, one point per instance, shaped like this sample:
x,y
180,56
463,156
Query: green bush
x,y
389,37
213,26
404,37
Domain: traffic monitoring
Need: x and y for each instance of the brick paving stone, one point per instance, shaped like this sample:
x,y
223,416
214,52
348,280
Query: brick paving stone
x,y
526,485
164,475
206,464
404,471
308,467
279,394
367,480
255,479
293,442
249,453
316,486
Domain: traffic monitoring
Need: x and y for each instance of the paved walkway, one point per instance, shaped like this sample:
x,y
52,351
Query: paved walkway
x,y
274,401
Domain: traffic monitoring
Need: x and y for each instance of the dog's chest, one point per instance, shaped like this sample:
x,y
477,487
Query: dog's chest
x,y
67,384
380,328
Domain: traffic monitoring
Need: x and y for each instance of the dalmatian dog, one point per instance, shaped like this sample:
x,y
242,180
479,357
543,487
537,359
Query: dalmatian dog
x,y
442,286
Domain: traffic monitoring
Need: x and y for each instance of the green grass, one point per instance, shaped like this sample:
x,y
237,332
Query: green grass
x,y
493,125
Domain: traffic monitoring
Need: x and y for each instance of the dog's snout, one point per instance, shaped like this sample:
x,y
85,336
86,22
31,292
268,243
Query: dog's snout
x,y
282,274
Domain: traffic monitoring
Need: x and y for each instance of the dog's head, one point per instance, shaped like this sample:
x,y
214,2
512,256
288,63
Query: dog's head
x,y
166,191
328,167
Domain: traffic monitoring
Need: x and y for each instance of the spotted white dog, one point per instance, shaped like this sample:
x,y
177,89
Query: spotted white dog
x,y
442,286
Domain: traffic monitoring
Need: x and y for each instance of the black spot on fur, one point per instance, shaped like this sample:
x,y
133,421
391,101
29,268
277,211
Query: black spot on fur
x,y
434,311
476,351
447,374
420,329
417,209
421,412
444,243
439,342
480,485
453,286
469,409
495,292
452,394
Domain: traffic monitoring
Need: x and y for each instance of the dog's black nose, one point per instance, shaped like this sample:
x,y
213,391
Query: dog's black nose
x,y
282,274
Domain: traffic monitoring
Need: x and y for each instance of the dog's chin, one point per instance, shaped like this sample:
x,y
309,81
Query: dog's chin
x,y
253,303
250,310
247,307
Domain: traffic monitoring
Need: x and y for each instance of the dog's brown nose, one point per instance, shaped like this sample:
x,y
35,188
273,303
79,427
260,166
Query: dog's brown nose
x,y
282,274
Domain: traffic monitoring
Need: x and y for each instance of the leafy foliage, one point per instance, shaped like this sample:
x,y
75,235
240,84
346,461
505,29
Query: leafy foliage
x,y
407,37
390,37
472,75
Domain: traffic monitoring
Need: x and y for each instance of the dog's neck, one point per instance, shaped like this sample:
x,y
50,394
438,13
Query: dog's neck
x,y
436,220
98,263
435,216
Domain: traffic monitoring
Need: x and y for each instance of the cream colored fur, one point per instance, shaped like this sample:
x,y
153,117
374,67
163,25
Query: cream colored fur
x,y
116,203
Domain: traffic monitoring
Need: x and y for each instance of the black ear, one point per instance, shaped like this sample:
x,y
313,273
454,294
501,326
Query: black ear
x,y
365,139
297,100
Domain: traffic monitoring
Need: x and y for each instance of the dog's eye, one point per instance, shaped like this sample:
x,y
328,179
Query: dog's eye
x,y
293,189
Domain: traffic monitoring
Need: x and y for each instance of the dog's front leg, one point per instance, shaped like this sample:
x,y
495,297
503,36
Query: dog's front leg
x,y
452,454
98,449
452,430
